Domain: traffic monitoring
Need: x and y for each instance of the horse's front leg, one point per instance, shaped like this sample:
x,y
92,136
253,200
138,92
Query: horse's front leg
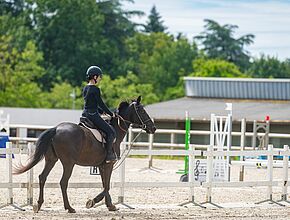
x,y
106,172
106,178
91,202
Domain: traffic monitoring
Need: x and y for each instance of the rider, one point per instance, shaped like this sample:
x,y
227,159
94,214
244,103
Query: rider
x,y
94,103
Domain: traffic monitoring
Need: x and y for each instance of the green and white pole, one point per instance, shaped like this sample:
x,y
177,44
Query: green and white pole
x,y
187,140
186,143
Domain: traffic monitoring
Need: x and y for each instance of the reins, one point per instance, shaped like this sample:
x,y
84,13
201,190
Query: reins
x,y
125,154
143,126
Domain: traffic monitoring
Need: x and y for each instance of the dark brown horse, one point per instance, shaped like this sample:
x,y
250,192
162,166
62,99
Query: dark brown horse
x,y
75,145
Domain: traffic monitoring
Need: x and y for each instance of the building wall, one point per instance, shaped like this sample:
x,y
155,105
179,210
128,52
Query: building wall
x,y
205,139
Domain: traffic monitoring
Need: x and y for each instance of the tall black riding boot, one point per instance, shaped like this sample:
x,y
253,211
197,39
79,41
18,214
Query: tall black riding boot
x,y
111,156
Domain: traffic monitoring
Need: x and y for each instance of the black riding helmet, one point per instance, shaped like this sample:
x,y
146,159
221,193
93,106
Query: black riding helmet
x,y
93,71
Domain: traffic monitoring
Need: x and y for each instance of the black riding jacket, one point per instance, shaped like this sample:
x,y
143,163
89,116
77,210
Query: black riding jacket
x,y
93,100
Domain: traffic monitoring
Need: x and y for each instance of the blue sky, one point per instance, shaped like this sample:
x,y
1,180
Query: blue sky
x,y
268,20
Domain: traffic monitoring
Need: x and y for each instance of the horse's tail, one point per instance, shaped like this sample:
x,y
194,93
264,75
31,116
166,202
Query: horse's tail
x,y
43,143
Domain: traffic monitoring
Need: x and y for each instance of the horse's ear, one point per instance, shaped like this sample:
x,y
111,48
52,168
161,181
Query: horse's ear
x,y
139,99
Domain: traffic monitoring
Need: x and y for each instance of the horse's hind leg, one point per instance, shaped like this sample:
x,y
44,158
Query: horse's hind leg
x,y
67,171
49,164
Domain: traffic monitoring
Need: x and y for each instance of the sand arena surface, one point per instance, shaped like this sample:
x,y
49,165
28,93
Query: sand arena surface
x,y
149,203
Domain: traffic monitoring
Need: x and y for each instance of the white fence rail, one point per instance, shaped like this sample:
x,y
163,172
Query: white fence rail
x,y
209,184
195,150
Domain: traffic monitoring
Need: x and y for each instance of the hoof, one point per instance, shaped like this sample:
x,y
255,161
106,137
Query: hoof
x,y
35,208
90,203
71,210
113,208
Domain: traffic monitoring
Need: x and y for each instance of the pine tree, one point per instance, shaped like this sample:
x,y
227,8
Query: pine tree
x,y
154,23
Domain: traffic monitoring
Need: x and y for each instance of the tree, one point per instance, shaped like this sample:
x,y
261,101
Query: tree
x,y
65,96
154,23
19,71
124,88
218,42
215,68
14,7
16,27
269,67
75,34
159,59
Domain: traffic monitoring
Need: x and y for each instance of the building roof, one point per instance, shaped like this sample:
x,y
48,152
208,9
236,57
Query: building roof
x,y
237,88
202,108
35,116
199,109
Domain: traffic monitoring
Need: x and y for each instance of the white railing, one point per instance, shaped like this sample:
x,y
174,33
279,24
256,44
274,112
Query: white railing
x,y
209,184
150,144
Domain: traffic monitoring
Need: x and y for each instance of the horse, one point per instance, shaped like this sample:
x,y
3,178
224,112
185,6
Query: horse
x,y
73,144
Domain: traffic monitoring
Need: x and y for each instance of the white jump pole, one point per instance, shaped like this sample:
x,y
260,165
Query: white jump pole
x,y
209,173
209,176
122,177
285,174
30,149
9,152
10,180
122,170
270,177
191,181
150,140
191,161
270,171
243,140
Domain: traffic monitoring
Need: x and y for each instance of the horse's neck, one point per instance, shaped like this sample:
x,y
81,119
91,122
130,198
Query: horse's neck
x,y
121,132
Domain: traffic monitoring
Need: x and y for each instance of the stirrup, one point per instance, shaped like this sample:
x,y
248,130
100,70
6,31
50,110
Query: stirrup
x,y
112,159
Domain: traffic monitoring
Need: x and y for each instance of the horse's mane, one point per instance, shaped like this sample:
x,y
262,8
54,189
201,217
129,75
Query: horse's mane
x,y
123,104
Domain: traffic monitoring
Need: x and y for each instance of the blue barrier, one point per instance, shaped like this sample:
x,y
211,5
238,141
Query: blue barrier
x,y
3,140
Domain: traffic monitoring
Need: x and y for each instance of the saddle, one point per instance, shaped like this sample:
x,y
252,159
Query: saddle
x,y
99,135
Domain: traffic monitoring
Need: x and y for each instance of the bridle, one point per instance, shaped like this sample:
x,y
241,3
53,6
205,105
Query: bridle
x,y
143,125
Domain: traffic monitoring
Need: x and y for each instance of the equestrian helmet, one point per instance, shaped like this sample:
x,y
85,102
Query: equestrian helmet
x,y
93,71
